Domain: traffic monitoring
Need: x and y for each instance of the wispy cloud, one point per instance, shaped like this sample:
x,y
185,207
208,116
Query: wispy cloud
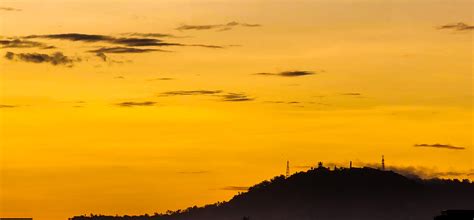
x,y
191,92
9,9
457,27
136,104
161,79
142,42
235,188
18,43
236,97
351,94
105,50
102,56
296,73
218,27
8,106
444,146
123,41
205,46
225,96
104,38
75,37
57,58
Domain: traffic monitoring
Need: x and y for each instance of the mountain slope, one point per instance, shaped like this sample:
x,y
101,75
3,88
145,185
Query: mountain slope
x,y
357,193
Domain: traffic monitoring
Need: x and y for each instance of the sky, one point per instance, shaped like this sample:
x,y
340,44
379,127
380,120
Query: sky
x,y
132,107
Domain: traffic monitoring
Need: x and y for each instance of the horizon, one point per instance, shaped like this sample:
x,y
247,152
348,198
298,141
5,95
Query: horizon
x,y
140,106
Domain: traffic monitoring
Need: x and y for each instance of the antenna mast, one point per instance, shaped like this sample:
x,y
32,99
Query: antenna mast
x,y
287,169
383,163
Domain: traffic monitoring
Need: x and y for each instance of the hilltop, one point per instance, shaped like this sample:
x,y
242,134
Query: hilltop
x,y
339,194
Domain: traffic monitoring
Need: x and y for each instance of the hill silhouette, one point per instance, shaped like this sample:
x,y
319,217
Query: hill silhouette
x,y
339,194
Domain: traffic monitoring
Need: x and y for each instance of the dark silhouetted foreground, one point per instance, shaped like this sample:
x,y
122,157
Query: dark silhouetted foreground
x,y
341,194
456,215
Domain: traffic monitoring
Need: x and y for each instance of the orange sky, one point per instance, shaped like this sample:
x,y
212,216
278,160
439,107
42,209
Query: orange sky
x,y
146,132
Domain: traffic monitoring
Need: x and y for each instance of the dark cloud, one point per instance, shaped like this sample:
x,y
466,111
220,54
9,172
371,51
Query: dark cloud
x,y
18,43
76,37
226,97
102,56
444,146
236,97
8,106
131,42
235,188
105,50
136,104
10,55
124,41
218,27
142,42
191,92
205,46
288,73
9,9
57,58
458,27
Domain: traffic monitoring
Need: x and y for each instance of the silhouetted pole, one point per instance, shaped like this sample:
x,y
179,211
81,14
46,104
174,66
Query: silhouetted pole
x,y
350,165
383,163
287,168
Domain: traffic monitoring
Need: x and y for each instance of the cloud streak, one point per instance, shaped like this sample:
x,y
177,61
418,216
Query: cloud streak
x,y
105,50
161,79
191,92
236,97
9,9
296,73
55,59
123,41
8,106
102,56
136,104
218,27
443,146
457,27
18,43
236,188
225,96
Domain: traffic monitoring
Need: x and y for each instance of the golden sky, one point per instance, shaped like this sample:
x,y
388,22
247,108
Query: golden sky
x,y
132,107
